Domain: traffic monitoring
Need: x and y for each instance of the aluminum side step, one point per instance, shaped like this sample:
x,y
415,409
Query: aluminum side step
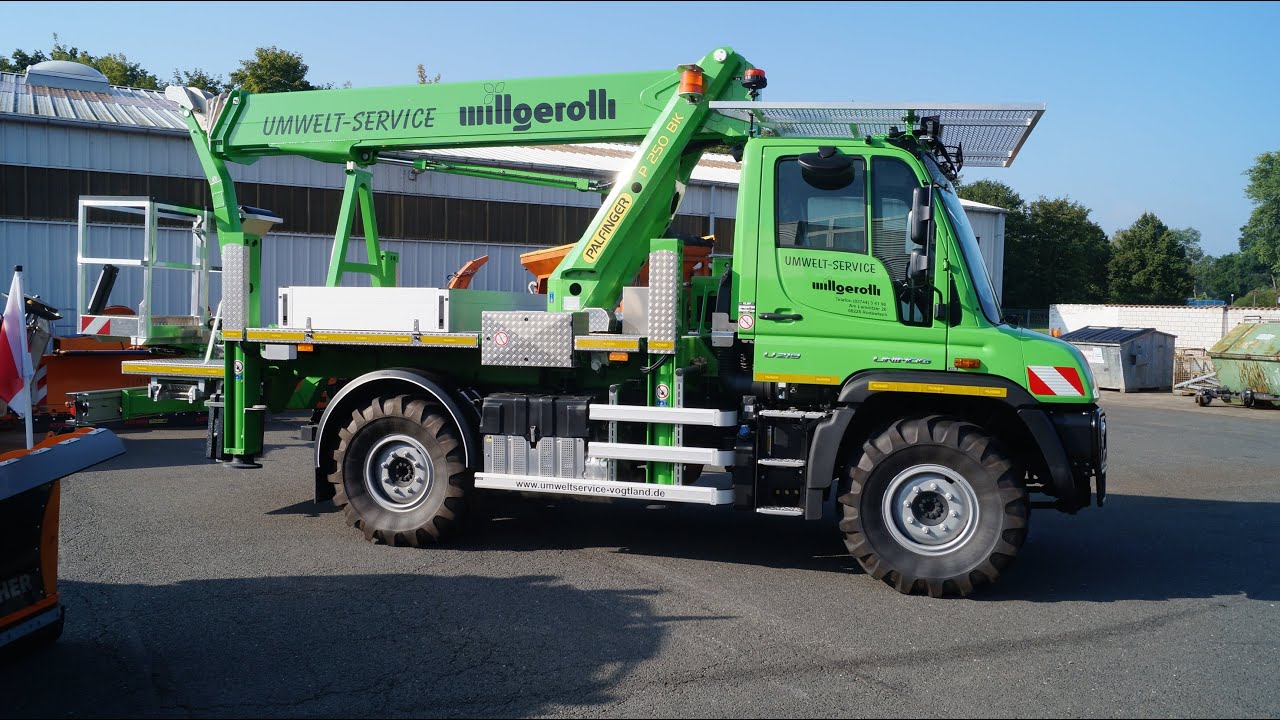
x,y
781,462
660,453
787,511
793,414
605,488
673,415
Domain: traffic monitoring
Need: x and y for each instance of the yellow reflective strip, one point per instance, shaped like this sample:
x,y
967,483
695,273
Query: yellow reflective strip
x,y
368,338
938,389
143,368
287,335
607,344
662,345
450,340
233,335
802,379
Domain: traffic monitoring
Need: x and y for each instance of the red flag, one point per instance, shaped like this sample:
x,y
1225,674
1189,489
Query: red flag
x,y
15,358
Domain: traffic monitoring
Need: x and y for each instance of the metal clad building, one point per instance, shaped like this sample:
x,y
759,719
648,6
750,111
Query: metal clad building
x,y
64,133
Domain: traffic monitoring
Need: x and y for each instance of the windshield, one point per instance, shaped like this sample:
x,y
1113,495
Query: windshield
x,y
968,243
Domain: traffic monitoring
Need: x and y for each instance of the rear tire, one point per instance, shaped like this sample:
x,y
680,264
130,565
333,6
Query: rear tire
x,y
399,474
934,505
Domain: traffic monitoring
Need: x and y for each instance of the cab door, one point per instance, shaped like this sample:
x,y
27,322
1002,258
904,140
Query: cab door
x,y
832,293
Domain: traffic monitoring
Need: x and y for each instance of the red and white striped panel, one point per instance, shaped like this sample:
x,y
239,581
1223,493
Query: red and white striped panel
x,y
1055,381
41,385
95,324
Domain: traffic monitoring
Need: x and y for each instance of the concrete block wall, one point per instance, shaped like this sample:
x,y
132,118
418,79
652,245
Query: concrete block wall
x,y
1195,327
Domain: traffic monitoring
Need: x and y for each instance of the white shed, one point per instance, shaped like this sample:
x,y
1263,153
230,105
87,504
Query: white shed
x,y
987,222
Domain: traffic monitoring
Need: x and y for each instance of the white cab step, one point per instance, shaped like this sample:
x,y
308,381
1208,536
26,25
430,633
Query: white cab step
x,y
789,511
793,414
781,462
605,488
673,415
660,453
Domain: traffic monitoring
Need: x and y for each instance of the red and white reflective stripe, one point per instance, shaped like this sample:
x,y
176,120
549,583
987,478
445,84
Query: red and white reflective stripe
x,y
95,324
1050,380
41,382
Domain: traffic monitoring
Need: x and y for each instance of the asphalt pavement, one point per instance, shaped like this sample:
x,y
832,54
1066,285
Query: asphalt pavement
x,y
195,590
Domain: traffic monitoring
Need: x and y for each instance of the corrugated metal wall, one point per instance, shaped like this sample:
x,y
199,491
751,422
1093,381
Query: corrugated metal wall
x,y
170,154
988,226
47,250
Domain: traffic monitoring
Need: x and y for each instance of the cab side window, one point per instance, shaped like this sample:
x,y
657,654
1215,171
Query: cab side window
x,y
892,183
811,215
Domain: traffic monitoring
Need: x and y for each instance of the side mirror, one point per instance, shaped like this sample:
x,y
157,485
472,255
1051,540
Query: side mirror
x,y
921,215
918,267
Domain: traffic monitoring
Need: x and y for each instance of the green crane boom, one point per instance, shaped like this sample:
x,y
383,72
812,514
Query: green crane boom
x,y
361,126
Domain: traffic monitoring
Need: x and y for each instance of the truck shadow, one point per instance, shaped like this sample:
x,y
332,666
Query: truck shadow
x,y
510,522
389,645
1149,548
1137,548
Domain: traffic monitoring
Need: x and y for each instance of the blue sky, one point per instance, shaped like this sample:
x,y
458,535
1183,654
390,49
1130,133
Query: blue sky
x,y
1150,106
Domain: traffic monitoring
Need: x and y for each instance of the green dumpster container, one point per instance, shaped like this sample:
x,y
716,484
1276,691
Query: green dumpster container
x,y
1248,359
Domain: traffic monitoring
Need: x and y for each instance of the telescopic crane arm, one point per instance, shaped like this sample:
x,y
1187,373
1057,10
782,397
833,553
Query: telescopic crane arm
x,y
666,112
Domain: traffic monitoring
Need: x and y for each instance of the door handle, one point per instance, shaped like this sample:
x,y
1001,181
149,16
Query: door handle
x,y
784,317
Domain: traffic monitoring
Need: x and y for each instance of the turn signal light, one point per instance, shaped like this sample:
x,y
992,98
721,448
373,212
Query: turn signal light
x,y
306,347
690,83
968,363
618,357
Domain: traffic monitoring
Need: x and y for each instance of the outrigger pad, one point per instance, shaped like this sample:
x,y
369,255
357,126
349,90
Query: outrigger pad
x,y
56,458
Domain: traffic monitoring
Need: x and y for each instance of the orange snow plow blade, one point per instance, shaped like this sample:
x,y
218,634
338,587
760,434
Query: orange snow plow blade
x,y
29,501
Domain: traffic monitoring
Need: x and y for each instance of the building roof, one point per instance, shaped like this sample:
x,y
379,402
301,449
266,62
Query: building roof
x,y
974,205
121,106
1101,335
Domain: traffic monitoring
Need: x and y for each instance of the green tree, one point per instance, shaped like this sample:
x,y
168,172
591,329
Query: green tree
x,y
991,192
272,70
19,60
199,78
424,78
1189,239
1260,236
1258,297
1053,252
1061,257
1230,276
1149,264
115,66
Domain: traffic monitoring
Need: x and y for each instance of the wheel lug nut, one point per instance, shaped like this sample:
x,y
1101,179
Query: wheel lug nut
x,y
955,513
933,486
951,497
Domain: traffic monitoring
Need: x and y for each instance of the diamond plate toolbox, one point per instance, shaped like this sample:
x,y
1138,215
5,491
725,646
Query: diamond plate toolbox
x,y
530,339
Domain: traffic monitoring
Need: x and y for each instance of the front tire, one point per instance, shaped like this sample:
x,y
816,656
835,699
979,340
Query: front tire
x,y
934,505
399,472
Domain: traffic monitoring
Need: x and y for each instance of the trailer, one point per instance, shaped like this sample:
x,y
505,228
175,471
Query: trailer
x,y
849,356
1246,365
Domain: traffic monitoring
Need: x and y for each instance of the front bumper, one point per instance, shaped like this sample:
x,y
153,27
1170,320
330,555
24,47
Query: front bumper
x,y
1083,434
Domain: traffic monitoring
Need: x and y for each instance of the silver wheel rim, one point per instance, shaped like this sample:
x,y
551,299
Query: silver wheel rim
x,y
398,473
930,509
